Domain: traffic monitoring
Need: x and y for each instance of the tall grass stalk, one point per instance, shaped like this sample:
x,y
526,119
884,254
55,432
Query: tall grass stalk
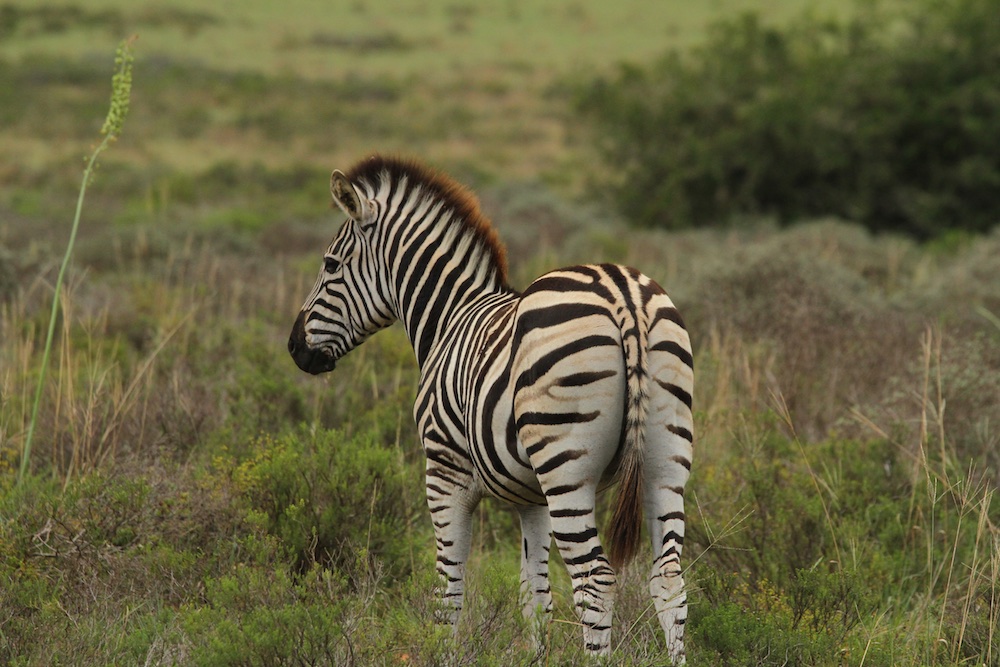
x,y
121,91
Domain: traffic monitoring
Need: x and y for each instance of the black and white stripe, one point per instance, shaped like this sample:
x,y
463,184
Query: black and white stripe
x,y
541,399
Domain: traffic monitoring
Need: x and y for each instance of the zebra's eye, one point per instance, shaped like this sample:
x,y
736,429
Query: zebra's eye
x,y
331,265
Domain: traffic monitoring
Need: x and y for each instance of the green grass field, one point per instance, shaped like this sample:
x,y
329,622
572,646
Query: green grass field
x,y
463,83
438,40
194,499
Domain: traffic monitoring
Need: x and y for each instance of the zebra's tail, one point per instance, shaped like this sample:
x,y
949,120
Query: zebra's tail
x,y
624,531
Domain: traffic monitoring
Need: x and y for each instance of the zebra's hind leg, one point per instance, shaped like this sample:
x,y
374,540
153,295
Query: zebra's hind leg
x,y
574,527
666,585
536,593
664,509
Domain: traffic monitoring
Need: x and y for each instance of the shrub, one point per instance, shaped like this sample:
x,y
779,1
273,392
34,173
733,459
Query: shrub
x,y
821,544
259,615
818,332
329,497
885,120
95,561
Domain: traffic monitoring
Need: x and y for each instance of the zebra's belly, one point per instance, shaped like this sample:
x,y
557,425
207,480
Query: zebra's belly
x,y
501,466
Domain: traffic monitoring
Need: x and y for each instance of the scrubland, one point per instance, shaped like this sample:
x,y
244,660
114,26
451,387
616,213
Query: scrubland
x,y
193,499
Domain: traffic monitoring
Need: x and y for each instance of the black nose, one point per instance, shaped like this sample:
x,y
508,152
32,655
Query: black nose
x,y
311,361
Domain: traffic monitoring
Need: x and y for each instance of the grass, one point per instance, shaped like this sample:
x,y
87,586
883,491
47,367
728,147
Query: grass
x,y
470,84
213,515
370,38
193,499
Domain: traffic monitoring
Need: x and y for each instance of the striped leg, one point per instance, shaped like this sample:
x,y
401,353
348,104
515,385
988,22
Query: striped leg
x,y
663,498
574,528
666,584
536,594
667,466
451,515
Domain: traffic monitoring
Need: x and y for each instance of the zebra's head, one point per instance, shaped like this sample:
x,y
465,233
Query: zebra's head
x,y
346,305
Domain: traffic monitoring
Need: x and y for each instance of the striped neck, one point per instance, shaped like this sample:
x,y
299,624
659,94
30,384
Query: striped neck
x,y
439,254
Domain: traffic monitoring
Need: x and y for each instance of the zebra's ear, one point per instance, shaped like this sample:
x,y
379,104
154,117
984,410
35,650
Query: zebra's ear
x,y
347,197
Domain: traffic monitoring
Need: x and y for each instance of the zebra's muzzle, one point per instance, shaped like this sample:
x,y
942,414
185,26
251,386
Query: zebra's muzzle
x,y
314,361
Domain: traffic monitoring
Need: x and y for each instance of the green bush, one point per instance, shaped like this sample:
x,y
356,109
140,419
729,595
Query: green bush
x,y
260,615
332,498
886,120
90,565
804,551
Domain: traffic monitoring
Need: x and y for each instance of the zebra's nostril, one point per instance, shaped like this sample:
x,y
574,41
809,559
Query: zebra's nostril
x,y
291,345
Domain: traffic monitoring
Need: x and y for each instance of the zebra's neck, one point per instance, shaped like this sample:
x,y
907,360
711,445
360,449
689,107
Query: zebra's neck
x,y
438,261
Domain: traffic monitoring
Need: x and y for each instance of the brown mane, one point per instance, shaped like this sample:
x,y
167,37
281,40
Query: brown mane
x,y
455,196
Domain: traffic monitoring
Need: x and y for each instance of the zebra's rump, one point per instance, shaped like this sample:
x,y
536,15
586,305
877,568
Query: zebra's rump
x,y
551,405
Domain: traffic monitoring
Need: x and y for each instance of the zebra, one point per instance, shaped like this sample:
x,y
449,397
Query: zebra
x,y
542,398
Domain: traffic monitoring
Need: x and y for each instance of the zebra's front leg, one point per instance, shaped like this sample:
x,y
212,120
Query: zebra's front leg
x,y
536,593
451,506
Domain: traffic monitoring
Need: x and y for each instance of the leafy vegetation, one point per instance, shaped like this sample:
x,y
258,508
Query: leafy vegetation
x,y
193,499
885,119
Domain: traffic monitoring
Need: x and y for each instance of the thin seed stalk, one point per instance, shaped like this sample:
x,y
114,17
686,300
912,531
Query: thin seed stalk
x,y
121,89
26,455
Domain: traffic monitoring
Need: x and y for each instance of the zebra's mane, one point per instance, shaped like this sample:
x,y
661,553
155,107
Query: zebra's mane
x,y
379,169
